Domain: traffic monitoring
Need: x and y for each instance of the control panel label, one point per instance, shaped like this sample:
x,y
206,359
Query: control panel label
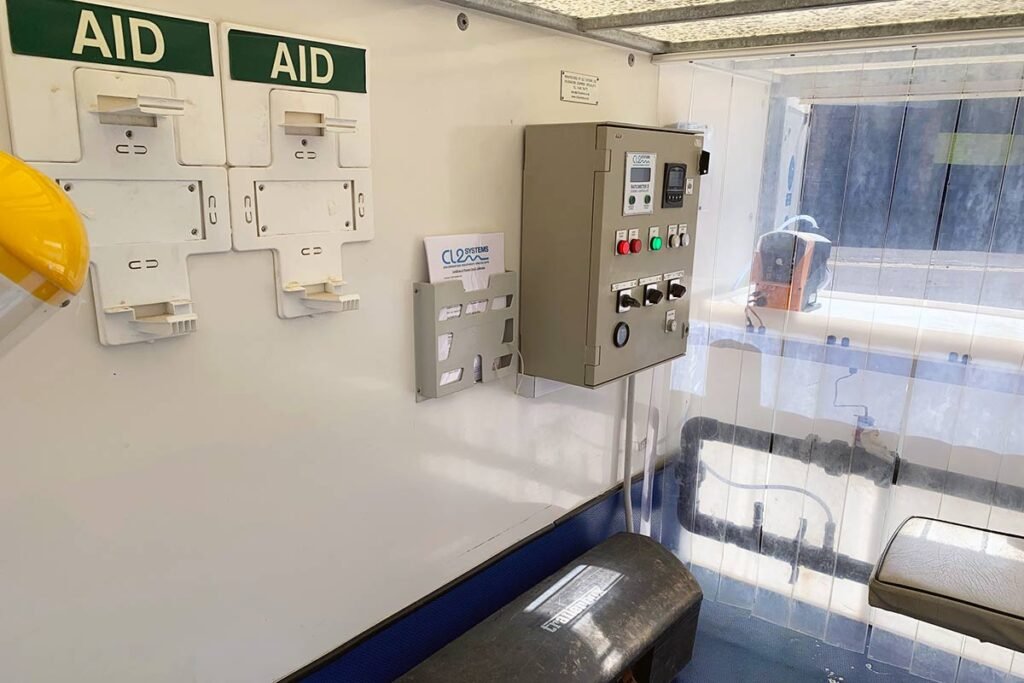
x,y
650,280
282,60
675,275
638,194
98,34
619,286
579,88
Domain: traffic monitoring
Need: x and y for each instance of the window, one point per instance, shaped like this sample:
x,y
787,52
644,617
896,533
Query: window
x,y
932,190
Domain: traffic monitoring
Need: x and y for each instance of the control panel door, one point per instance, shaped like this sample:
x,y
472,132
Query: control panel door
x,y
642,251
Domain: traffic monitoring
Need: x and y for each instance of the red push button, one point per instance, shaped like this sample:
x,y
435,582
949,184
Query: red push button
x,y
622,247
635,246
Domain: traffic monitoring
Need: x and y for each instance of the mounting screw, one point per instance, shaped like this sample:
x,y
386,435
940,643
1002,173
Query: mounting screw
x,y
67,187
462,21
66,303
128,134
348,223
344,186
195,231
263,229
631,59
261,188
191,188
304,142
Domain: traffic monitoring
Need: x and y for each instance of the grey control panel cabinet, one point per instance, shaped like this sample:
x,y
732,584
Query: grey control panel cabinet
x,y
609,229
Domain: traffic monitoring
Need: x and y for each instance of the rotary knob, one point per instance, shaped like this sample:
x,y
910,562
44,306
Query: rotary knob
x,y
654,296
628,301
676,290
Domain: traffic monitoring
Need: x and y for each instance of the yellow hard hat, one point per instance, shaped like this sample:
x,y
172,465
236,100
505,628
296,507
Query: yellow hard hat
x,y
44,251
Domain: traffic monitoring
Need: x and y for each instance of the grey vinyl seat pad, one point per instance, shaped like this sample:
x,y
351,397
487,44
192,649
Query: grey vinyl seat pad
x,y
966,579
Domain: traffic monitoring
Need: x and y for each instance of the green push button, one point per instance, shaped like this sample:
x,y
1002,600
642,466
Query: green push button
x,y
656,244
632,200
647,199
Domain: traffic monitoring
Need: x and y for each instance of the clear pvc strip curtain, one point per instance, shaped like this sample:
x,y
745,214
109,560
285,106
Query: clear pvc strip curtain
x,y
810,460
733,113
690,373
795,416
963,386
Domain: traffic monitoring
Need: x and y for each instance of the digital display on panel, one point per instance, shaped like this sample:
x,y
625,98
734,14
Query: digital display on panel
x,y
676,178
640,175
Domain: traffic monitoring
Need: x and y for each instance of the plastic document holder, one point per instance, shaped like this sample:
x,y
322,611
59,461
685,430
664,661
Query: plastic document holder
x,y
464,337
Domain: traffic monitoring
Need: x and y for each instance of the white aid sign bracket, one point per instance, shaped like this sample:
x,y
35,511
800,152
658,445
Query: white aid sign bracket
x,y
134,136
298,124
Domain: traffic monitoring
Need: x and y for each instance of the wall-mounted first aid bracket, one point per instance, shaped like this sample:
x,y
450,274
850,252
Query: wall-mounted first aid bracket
x,y
298,139
122,108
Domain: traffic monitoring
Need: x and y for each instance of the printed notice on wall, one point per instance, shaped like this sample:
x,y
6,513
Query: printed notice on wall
x,y
579,88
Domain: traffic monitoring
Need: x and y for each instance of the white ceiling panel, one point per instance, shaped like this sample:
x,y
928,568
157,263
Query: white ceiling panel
x,y
588,9
703,28
854,16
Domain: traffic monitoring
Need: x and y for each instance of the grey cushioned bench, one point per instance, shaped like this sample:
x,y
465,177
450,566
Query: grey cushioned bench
x,y
966,579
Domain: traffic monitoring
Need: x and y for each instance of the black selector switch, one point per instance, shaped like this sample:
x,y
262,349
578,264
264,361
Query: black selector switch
x,y
676,290
654,296
627,301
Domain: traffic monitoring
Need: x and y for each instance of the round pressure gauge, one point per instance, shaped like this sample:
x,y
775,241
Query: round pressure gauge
x,y
621,336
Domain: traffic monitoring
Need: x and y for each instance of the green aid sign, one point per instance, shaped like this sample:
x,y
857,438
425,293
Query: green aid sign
x,y
279,60
82,32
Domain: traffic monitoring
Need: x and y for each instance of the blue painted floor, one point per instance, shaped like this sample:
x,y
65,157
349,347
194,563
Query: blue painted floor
x,y
734,647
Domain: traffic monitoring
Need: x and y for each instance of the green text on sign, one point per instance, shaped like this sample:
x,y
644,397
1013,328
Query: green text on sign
x,y
81,32
266,58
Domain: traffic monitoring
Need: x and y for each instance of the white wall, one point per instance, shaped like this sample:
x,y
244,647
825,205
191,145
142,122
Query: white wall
x,y
230,506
